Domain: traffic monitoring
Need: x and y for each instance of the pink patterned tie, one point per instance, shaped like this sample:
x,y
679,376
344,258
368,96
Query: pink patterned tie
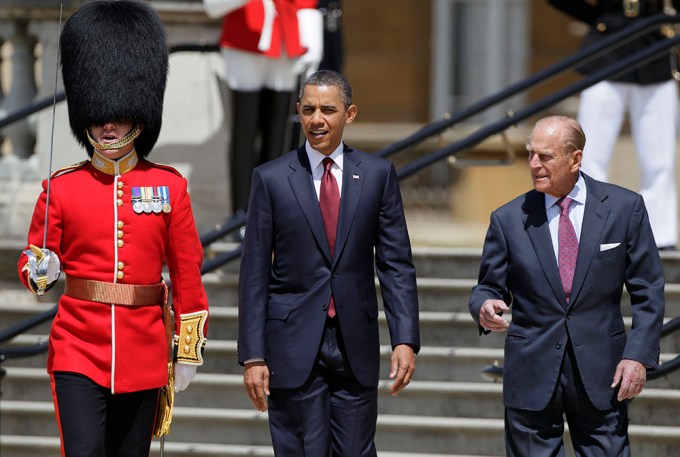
x,y
568,246
329,201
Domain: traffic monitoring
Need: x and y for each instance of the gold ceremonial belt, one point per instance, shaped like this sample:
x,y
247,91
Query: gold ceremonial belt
x,y
118,294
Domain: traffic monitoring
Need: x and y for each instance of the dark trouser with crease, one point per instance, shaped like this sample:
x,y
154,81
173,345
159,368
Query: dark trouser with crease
x,y
95,423
593,432
331,415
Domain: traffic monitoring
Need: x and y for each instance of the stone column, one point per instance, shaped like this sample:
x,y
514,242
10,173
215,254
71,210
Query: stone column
x,y
65,149
22,89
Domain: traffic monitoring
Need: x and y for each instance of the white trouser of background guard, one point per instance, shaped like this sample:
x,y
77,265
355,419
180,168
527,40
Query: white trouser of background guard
x,y
653,111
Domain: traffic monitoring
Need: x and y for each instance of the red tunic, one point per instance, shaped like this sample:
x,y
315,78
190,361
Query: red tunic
x,y
97,235
242,28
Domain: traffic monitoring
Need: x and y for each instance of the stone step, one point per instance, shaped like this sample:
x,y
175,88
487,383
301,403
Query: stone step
x,y
406,434
437,328
433,363
435,262
40,446
454,262
443,399
434,294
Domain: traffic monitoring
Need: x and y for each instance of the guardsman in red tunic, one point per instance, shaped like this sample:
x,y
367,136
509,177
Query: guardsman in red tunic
x,y
114,221
266,45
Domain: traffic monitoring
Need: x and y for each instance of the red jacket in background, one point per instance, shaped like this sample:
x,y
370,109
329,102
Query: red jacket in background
x,y
243,28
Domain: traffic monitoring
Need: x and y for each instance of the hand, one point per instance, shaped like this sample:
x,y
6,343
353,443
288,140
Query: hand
x,y
184,374
43,268
256,380
630,376
403,367
489,317
310,24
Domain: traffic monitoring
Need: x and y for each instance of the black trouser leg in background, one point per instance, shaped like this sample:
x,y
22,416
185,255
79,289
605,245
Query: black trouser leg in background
x,y
243,153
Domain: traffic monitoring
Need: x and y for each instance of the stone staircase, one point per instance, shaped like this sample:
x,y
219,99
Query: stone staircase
x,y
447,411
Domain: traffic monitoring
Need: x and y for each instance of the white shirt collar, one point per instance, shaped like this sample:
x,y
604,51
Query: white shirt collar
x,y
578,193
315,157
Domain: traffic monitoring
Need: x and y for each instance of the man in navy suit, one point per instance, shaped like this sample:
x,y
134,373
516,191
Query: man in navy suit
x,y
308,311
566,350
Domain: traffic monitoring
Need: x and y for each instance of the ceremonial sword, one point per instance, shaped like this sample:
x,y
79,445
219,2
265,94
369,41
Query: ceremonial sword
x,y
41,261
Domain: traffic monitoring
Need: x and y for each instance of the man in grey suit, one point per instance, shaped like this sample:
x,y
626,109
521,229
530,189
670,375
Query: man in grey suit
x,y
560,256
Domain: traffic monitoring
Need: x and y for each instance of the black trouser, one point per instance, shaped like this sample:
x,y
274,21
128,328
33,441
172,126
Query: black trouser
x,y
93,422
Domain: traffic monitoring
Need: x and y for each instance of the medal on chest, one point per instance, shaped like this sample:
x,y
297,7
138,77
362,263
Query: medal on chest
x,y
151,199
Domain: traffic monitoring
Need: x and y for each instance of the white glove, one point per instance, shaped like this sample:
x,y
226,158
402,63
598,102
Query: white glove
x,y
310,24
218,8
43,268
184,374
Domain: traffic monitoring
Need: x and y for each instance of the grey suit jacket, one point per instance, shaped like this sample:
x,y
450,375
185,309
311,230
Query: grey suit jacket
x,y
616,249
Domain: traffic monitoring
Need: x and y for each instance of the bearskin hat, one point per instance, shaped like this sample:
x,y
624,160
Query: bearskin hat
x,y
115,66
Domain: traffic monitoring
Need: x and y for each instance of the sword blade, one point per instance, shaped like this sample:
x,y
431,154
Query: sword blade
x,y
54,109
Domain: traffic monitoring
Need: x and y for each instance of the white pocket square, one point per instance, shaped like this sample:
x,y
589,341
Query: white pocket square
x,y
608,246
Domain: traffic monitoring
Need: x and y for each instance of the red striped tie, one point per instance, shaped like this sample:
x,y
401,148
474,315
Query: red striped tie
x,y
329,201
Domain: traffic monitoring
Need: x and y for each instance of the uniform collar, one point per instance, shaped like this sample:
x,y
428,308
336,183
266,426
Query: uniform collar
x,y
114,167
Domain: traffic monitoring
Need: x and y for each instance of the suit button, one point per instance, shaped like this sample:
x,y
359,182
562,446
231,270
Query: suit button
x,y
324,308
568,315
120,275
558,346
334,275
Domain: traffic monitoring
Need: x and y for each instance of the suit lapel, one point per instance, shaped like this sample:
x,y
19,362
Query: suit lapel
x,y
595,217
303,187
536,226
352,183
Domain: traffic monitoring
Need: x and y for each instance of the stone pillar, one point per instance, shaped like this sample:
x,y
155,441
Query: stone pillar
x,y
65,149
22,89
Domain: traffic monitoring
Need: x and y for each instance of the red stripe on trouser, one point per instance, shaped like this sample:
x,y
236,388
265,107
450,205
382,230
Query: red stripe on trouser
x,y
56,412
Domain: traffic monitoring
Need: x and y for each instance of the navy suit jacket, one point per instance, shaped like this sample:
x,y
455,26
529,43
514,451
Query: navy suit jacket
x,y
519,266
287,273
